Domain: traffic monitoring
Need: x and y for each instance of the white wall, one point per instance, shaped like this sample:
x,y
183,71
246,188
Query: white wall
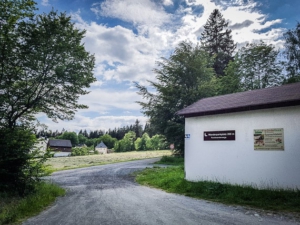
x,y
236,161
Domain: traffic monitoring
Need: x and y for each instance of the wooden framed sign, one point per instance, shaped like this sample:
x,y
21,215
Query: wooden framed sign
x,y
225,135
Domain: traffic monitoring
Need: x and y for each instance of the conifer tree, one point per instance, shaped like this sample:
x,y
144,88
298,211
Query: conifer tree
x,y
216,39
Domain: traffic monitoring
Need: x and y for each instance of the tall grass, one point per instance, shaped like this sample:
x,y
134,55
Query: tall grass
x,y
171,160
14,209
171,179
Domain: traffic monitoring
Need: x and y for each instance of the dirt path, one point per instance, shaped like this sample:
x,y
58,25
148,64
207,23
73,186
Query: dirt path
x,y
108,195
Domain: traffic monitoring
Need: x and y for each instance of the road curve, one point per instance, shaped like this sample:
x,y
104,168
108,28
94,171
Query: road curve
x,y
103,195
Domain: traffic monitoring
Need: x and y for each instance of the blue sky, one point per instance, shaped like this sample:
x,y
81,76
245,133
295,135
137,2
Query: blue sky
x,y
128,36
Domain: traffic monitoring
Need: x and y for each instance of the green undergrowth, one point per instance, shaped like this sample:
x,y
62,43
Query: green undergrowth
x,y
14,209
171,160
172,180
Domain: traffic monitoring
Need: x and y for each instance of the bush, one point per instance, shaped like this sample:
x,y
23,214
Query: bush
x,y
21,165
80,151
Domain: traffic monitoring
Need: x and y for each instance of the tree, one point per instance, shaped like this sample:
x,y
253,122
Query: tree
x,y
141,143
292,53
127,143
255,66
44,68
107,140
158,142
184,78
72,136
81,139
217,41
138,128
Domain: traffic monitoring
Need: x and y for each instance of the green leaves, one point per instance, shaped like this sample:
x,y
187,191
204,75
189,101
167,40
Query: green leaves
x,y
46,69
292,53
217,41
182,79
255,66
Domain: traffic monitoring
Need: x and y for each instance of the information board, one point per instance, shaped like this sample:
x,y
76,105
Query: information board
x,y
225,135
269,139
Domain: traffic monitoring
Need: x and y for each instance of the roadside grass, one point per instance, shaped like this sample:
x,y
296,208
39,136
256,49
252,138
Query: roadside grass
x,y
171,160
65,163
15,209
172,180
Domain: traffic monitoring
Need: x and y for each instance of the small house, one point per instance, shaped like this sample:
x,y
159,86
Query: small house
x,y
101,148
60,145
246,138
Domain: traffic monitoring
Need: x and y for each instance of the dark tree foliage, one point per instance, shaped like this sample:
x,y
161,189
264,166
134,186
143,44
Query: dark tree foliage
x,y
149,130
20,168
184,78
292,53
255,66
138,129
217,41
44,68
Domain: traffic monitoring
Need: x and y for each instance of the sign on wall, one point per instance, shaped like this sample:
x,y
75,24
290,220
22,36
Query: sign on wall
x,y
225,135
269,139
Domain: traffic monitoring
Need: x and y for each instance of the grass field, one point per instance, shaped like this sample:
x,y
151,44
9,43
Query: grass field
x,y
63,163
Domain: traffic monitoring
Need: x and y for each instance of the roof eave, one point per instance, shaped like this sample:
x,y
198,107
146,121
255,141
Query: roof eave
x,y
241,109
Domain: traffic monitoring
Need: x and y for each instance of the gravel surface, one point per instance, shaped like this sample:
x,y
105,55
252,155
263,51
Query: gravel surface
x,y
108,195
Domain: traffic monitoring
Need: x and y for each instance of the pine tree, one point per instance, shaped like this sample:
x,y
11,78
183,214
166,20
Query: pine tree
x,y
217,41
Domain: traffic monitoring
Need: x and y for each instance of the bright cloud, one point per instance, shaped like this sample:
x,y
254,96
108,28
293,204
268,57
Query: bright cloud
x,y
133,11
45,2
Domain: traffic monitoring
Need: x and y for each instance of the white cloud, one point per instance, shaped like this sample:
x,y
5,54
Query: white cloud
x,y
133,11
45,2
100,100
167,2
121,54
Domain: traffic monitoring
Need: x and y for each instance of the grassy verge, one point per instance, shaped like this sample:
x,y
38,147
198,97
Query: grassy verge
x,y
171,179
171,160
65,163
15,209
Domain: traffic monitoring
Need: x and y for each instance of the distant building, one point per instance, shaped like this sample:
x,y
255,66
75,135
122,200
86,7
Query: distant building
x,y
101,148
60,145
246,138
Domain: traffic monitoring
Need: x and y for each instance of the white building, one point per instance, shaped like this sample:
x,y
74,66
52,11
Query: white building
x,y
101,148
250,138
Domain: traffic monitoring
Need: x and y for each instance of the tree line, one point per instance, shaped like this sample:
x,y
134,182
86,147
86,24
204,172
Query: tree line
x,y
117,133
214,67
126,138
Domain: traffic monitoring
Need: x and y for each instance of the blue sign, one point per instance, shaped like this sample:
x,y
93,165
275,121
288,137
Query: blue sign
x,y
187,136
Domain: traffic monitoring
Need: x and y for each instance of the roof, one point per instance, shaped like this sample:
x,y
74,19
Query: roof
x,y
281,96
60,143
101,145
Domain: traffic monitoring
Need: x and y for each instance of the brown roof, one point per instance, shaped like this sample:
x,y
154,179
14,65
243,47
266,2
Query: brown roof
x,y
60,143
281,96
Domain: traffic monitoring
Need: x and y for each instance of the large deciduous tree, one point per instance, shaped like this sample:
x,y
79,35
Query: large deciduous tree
x,y
217,40
181,80
292,52
44,68
255,66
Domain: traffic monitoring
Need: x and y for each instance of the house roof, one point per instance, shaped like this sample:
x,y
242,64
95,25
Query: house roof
x,y
101,145
281,96
60,143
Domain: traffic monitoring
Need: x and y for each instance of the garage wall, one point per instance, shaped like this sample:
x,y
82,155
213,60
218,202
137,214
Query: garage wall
x,y
236,161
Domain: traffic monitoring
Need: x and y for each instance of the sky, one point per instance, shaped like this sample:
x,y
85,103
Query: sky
x,y
128,37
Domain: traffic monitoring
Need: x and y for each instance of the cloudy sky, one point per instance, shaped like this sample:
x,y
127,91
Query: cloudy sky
x,y
127,37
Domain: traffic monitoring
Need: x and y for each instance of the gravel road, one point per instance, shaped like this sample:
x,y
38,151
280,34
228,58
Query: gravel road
x,y
108,195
